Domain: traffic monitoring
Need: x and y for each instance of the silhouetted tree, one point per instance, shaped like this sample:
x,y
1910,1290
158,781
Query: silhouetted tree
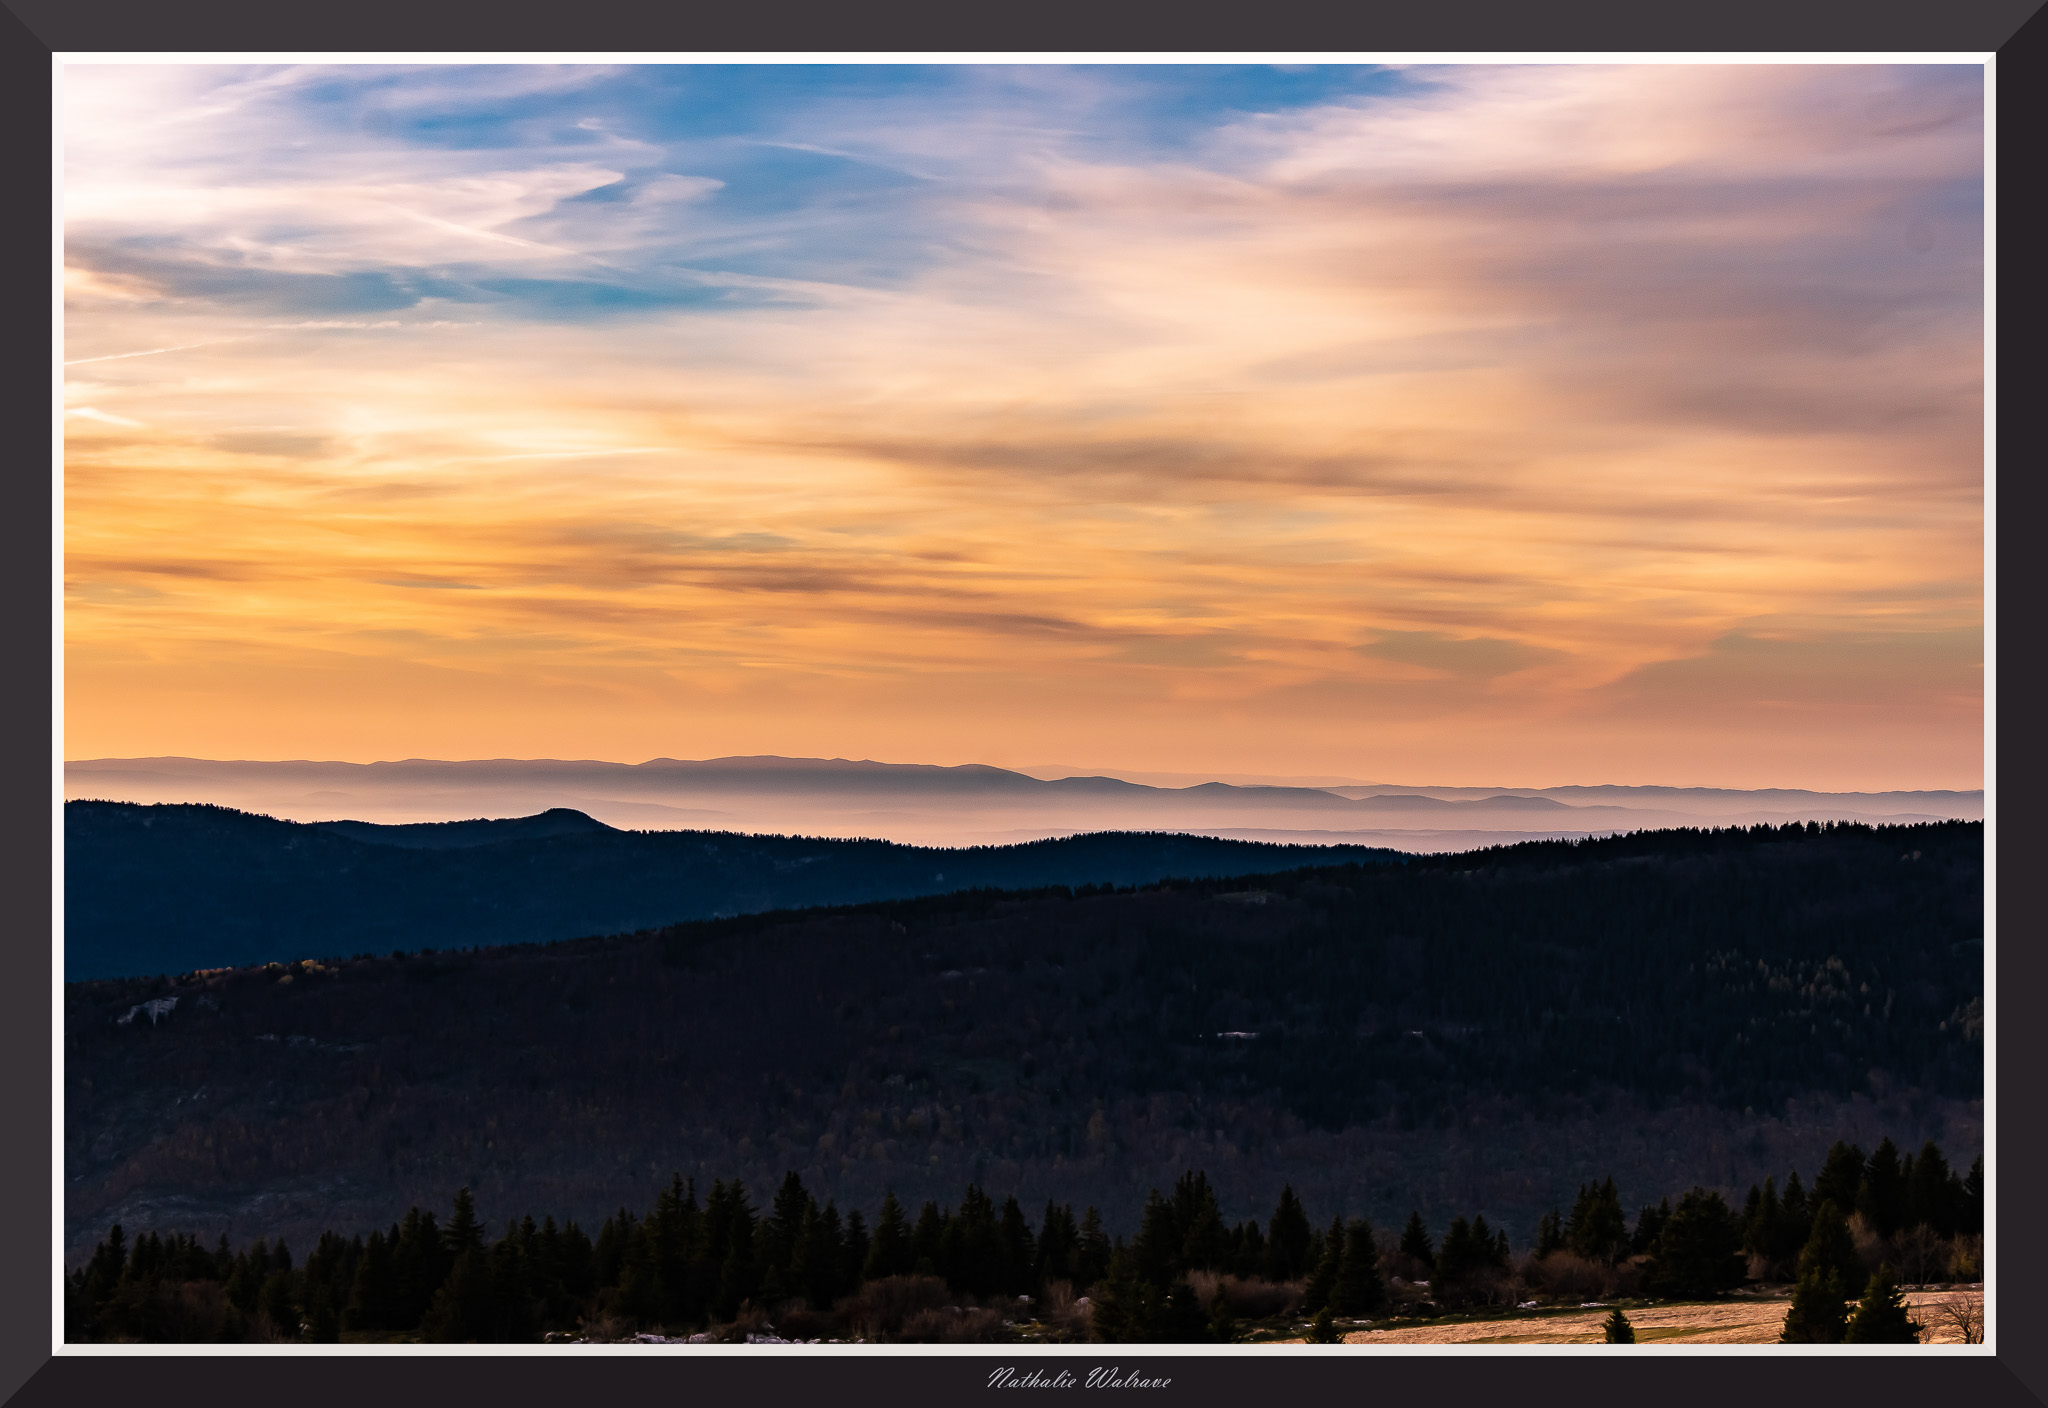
x,y
1597,1228
1699,1251
1819,1312
1287,1238
1881,1196
1415,1240
889,1251
1358,1289
1829,1247
1881,1316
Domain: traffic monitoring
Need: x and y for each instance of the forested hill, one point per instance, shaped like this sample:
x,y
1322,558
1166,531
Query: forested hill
x,y
1472,1031
170,888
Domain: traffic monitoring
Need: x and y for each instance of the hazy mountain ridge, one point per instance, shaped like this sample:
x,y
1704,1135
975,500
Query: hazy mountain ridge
x,y
926,804
175,887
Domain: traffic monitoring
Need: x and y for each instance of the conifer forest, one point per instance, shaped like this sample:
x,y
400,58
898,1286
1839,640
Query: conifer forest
x,y
717,1268
1424,1059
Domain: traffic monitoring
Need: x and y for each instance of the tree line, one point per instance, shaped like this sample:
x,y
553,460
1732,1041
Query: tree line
x,y
720,1266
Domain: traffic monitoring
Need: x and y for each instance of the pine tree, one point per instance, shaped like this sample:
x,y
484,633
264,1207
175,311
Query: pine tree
x,y
1205,1239
1122,1312
1795,1221
1248,1249
1091,1259
639,1297
779,1232
1597,1229
1358,1289
1840,1176
323,1319
1059,1246
1829,1247
460,1313
1287,1238
971,1245
1929,1195
889,1251
511,1313
672,1235
1618,1329
1155,1251
370,1303
420,1264
725,1249
1324,1278
927,1241
1699,1251
1323,1328
1819,1312
1180,1318
1549,1234
275,1303
1019,1249
463,1233
814,1271
1462,1255
1881,1197
853,1256
1761,1215
1649,1227
1415,1241
1881,1316
245,1282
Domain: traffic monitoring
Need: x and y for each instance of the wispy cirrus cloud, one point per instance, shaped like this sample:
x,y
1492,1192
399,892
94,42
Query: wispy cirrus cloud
x,y
1197,413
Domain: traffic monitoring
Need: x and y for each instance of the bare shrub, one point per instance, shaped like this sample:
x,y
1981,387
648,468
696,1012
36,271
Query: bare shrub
x,y
1399,1263
1494,1286
751,1320
1569,1276
1921,1255
1872,1250
1205,1285
1966,1260
1629,1276
1260,1299
1768,1267
264,1330
880,1309
198,1311
1961,1312
1408,1297
952,1324
604,1329
1067,1320
798,1321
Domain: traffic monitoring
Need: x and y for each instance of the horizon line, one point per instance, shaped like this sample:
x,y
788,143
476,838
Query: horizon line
x,y
1119,774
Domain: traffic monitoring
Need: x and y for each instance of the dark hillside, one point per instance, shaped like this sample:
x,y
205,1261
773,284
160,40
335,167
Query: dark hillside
x,y
1466,1031
170,888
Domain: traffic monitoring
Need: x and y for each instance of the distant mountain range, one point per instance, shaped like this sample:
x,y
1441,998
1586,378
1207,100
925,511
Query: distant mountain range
x,y
168,888
972,804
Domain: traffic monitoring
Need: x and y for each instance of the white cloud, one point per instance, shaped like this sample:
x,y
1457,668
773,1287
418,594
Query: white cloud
x,y
104,417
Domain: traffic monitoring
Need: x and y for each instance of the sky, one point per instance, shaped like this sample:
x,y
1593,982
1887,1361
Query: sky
x,y
1472,425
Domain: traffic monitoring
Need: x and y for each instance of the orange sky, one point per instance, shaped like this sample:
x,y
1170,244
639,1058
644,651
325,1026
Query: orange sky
x,y
1489,425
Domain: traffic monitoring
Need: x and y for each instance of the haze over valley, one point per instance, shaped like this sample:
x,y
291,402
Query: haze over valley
x,y
968,805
